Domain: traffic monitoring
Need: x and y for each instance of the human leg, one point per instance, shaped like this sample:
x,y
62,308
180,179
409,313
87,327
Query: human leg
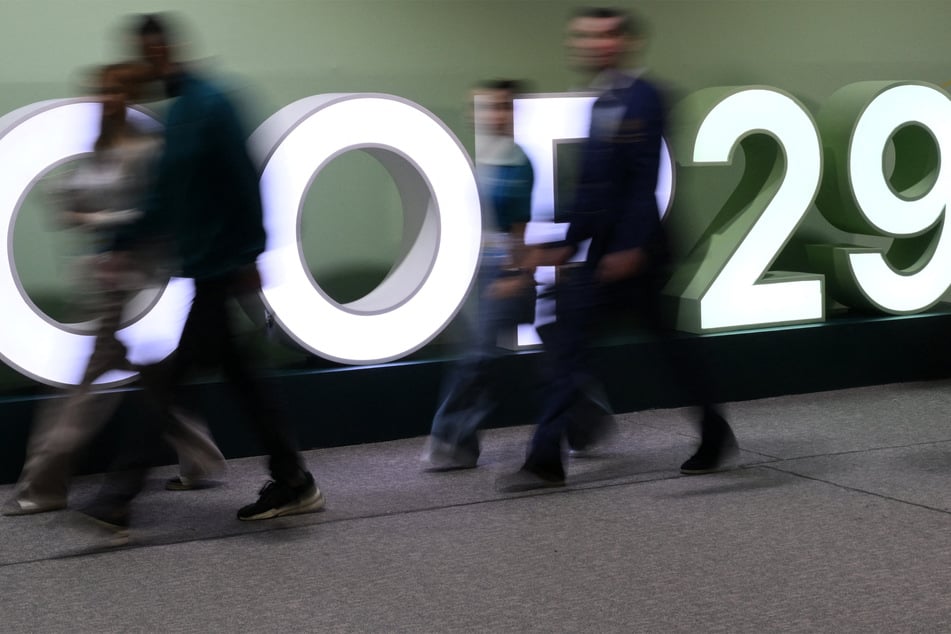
x,y
293,489
688,368
127,475
65,426
563,382
469,395
62,429
453,440
198,456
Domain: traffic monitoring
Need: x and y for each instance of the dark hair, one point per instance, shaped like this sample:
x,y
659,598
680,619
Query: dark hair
x,y
168,27
628,24
514,86
152,24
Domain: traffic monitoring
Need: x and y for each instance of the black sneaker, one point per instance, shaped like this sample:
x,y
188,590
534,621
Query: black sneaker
x,y
711,455
529,479
585,441
279,498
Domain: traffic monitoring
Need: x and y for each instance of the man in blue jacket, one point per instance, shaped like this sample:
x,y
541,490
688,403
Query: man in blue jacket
x,y
207,204
627,261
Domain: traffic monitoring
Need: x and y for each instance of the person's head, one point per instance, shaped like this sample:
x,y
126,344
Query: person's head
x,y
600,38
492,106
116,86
154,43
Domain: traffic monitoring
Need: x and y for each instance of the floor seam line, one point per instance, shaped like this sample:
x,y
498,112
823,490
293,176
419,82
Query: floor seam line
x,y
774,463
853,489
581,487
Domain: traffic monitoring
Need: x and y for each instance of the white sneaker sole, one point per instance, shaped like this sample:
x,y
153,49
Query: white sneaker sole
x,y
311,504
26,507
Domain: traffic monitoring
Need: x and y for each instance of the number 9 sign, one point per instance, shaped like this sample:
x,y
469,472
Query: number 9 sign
x,y
908,207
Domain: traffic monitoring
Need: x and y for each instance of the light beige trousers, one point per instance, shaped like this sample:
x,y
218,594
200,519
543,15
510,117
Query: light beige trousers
x,y
66,426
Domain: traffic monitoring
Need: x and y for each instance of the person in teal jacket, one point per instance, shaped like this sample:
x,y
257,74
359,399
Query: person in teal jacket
x,y
206,204
206,199
506,179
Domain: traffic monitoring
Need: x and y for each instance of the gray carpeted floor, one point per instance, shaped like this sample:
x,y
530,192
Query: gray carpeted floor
x,y
835,519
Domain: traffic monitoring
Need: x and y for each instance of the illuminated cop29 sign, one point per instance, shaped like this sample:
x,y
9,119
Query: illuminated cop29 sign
x,y
871,166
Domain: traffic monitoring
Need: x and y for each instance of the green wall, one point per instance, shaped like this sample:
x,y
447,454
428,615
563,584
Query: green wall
x,y
431,51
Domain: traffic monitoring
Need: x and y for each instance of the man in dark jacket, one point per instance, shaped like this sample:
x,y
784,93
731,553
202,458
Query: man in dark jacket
x,y
207,204
627,260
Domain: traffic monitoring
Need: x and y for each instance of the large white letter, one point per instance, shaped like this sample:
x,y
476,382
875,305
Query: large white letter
x,y
442,224
33,140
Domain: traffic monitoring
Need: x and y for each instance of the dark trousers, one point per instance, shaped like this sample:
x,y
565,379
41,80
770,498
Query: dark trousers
x,y
581,306
208,339
471,393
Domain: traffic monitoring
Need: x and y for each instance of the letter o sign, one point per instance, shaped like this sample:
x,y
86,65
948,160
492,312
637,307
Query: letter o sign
x,y
441,229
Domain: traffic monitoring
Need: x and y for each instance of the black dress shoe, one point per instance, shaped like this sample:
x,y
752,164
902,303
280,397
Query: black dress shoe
x,y
712,454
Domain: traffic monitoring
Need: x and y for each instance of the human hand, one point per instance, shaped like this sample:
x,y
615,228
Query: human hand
x,y
541,256
620,265
108,218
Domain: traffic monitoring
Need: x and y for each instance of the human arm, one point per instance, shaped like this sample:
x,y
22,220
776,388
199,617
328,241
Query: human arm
x,y
632,224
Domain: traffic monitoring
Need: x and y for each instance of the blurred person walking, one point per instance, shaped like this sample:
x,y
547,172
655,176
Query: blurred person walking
x,y
206,200
505,179
98,197
628,259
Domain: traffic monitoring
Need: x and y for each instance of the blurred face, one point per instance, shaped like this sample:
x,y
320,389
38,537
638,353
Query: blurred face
x,y
493,112
154,52
596,44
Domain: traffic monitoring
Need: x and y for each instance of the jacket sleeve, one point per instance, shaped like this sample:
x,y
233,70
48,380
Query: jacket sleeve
x,y
615,201
227,133
637,154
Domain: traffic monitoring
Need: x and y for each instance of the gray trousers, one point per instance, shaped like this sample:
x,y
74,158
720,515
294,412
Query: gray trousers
x,y
65,426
